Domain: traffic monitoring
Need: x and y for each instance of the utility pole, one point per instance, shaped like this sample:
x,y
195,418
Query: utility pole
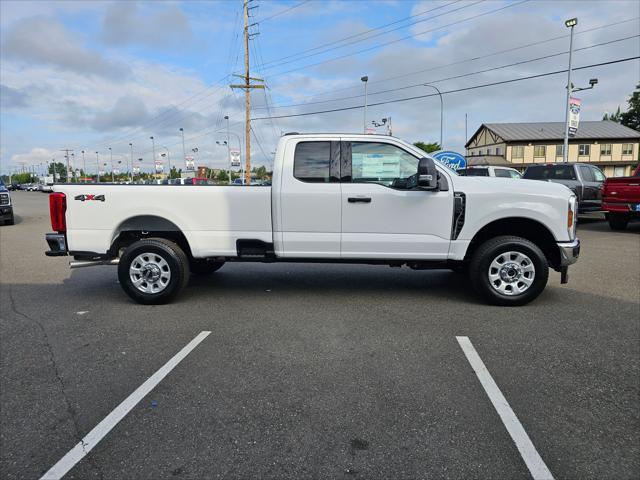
x,y
247,86
84,165
66,156
365,79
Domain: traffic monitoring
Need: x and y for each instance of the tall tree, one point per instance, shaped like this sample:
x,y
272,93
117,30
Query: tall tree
x,y
631,118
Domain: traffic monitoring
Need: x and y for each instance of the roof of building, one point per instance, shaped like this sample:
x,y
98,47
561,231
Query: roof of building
x,y
534,131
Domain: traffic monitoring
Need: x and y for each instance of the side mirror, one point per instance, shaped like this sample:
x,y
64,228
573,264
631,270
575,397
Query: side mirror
x,y
427,174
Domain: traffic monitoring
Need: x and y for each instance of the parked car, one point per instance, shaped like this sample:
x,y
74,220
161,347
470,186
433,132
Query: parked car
x,y
621,199
491,171
335,198
12,186
6,208
583,179
46,188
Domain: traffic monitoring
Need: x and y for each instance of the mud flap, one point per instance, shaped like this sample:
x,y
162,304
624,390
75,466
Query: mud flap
x,y
564,274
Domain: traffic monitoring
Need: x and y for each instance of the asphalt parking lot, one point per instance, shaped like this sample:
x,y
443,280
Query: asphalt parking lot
x,y
317,371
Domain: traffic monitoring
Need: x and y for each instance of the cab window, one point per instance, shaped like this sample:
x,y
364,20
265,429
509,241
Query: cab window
x,y
381,163
312,162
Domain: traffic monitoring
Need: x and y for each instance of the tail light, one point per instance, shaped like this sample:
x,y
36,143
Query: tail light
x,y
57,209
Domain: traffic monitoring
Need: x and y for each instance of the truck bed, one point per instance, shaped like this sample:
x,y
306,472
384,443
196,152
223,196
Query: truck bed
x,y
212,218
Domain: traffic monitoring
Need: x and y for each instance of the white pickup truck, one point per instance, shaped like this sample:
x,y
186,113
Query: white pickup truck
x,y
342,198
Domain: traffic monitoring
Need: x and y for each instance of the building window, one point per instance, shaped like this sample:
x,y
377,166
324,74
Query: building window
x,y
540,151
480,152
559,151
517,152
605,149
584,149
488,151
498,151
627,149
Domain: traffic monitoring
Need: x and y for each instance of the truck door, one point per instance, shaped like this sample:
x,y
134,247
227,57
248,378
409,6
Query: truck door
x,y
382,220
309,201
591,196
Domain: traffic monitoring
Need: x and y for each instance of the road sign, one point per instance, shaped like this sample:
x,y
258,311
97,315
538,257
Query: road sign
x,y
235,157
450,159
189,162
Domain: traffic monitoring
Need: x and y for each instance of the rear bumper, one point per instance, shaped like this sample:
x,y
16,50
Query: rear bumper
x,y
57,244
569,252
621,207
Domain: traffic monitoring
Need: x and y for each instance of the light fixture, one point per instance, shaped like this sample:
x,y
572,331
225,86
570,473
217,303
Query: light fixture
x,y
572,22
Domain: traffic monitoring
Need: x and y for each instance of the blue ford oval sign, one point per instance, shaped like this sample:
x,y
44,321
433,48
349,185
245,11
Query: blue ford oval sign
x,y
453,160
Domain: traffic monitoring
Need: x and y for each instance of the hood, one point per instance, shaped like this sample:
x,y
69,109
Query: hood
x,y
509,185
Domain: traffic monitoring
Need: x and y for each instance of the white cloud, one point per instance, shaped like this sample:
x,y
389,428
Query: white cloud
x,y
45,41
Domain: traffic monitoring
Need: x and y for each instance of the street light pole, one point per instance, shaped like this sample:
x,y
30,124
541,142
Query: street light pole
x,y
98,167
113,179
169,160
571,23
365,79
226,117
131,170
153,148
184,151
84,165
441,111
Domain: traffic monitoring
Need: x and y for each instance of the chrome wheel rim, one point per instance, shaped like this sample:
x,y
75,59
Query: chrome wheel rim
x,y
150,273
511,273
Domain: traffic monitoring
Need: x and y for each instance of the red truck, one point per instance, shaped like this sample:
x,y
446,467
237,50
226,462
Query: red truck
x,y
621,199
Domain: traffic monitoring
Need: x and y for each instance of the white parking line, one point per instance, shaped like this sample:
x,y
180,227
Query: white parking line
x,y
528,452
78,452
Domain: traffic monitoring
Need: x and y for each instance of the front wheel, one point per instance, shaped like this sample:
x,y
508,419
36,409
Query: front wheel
x,y
509,271
153,271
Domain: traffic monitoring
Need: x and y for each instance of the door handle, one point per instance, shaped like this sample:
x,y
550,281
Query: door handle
x,y
359,199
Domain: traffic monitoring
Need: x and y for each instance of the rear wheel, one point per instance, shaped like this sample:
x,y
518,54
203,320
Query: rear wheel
x,y
10,220
617,221
153,271
508,271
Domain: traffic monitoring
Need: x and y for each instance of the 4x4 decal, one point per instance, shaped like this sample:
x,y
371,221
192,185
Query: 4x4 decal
x,y
83,198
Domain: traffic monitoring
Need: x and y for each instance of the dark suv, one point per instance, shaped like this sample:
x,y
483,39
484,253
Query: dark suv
x,y
585,180
6,209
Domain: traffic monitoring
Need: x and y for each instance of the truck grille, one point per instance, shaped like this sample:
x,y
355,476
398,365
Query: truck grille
x,y
4,199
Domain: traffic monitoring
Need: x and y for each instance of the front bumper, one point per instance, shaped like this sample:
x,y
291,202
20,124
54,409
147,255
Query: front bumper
x,y
57,243
6,212
569,252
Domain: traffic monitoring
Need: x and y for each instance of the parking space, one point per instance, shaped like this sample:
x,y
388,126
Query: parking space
x,y
322,371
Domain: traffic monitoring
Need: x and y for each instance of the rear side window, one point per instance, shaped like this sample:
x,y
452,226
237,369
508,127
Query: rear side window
x,y
501,172
477,172
587,174
551,172
312,162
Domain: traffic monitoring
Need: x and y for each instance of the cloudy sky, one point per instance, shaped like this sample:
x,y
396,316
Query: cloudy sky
x,y
92,75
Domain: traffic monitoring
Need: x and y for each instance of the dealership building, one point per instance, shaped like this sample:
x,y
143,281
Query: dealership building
x,y
611,146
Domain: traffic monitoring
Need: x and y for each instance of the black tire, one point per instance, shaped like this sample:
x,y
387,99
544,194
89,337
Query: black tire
x,y
11,221
490,250
202,266
177,264
617,222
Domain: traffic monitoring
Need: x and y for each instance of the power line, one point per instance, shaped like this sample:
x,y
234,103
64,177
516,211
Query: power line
x,y
282,12
501,82
384,44
522,62
319,47
508,50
